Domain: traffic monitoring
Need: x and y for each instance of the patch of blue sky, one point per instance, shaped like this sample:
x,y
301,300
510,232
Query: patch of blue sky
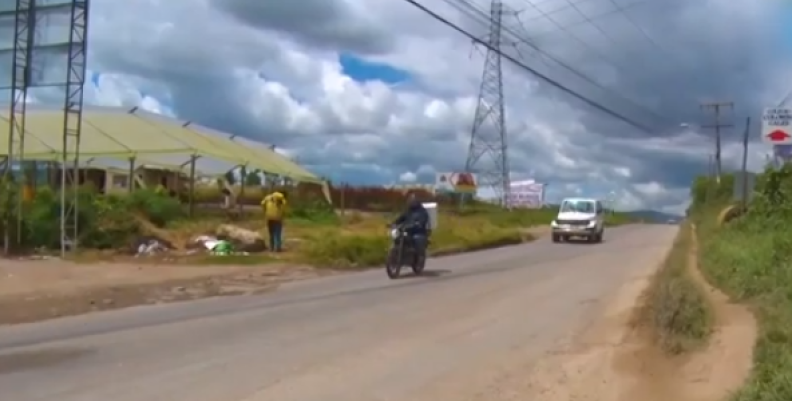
x,y
95,77
363,70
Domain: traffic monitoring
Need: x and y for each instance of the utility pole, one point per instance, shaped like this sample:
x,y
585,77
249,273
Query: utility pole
x,y
718,125
746,137
488,152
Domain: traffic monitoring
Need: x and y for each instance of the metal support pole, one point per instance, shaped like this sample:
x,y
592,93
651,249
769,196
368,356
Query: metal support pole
x,y
191,195
242,184
131,182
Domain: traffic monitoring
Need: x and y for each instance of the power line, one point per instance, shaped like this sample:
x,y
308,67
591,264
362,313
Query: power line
x,y
569,32
553,58
639,28
589,21
619,9
568,28
465,4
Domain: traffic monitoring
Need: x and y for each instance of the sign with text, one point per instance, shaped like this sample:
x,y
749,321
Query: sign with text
x,y
458,183
527,194
777,126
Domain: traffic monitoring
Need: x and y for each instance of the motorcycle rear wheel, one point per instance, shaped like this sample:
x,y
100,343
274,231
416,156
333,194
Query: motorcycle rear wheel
x,y
393,264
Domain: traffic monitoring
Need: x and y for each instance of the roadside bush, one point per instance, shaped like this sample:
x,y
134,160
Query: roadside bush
x,y
678,308
103,221
157,208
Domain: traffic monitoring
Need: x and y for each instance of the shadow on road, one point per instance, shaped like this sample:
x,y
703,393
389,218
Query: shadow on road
x,y
21,361
582,242
428,273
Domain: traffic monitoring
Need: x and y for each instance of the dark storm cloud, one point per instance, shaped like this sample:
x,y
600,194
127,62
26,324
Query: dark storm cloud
x,y
329,24
667,56
654,64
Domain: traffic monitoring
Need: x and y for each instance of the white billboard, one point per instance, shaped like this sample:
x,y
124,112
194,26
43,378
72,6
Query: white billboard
x,y
527,194
777,126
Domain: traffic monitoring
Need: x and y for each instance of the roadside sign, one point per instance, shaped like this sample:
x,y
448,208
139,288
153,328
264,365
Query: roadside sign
x,y
783,152
777,126
459,183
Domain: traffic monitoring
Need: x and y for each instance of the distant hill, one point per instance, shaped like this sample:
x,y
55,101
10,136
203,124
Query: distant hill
x,y
653,216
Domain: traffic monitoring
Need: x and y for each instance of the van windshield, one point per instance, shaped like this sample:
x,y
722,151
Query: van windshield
x,y
578,206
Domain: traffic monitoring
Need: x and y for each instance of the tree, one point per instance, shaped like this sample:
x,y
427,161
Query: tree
x,y
253,178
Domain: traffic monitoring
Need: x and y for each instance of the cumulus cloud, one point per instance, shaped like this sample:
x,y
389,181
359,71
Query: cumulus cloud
x,y
270,71
408,177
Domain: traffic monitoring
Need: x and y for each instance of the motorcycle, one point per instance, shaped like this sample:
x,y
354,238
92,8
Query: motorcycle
x,y
403,252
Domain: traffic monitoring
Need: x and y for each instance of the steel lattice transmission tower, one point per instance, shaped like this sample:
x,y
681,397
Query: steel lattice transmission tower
x,y
488,153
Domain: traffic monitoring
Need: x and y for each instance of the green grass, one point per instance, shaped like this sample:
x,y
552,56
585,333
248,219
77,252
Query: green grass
x,y
365,243
359,240
751,260
680,315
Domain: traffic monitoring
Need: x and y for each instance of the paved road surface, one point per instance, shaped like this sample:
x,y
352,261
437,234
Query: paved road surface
x,y
356,337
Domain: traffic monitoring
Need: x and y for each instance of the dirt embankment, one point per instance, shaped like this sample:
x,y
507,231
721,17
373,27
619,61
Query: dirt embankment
x,y
617,360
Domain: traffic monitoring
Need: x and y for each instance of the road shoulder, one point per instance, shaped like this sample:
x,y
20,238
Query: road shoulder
x,y
615,359
45,289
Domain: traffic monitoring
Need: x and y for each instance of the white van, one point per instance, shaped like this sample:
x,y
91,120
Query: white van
x,y
579,217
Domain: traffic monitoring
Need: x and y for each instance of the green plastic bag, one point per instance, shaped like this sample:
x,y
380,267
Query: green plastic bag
x,y
223,248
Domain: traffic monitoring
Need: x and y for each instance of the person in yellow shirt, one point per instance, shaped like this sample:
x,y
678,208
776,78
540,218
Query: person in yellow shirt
x,y
274,207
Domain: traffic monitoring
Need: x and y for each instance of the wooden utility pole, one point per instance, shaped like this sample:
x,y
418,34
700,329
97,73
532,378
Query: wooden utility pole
x,y
717,107
746,137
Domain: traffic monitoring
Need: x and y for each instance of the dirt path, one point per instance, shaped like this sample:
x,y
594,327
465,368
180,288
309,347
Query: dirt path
x,y
42,289
612,361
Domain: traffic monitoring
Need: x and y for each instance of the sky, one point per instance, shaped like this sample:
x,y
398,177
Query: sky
x,y
376,92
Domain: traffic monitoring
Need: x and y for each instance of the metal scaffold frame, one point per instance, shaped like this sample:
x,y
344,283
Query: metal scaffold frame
x,y
72,123
27,15
24,30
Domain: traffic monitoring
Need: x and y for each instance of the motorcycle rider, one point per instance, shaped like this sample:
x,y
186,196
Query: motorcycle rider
x,y
416,222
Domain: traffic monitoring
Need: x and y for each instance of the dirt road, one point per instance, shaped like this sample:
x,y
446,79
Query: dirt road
x,y
472,332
